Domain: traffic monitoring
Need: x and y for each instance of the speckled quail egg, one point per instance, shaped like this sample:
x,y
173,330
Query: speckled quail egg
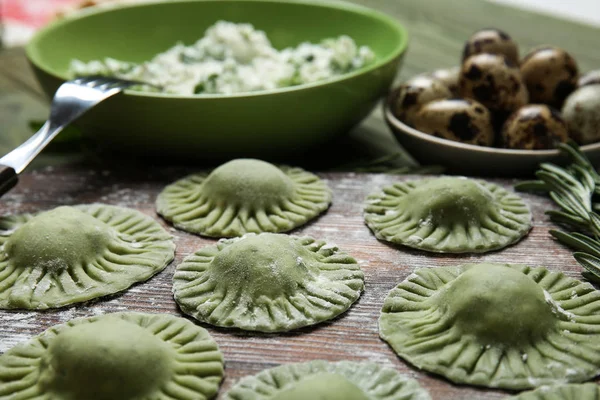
x,y
534,127
590,78
492,41
449,77
494,81
412,94
550,74
581,111
461,120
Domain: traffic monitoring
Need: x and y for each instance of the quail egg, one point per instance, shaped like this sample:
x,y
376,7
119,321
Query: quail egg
x,y
492,41
461,120
581,111
590,78
534,127
493,81
550,75
412,94
449,77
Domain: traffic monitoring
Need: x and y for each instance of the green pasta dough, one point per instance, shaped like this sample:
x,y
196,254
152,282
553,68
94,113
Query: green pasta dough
x,y
324,386
244,196
268,282
448,215
586,391
124,356
497,325
74,254
322,380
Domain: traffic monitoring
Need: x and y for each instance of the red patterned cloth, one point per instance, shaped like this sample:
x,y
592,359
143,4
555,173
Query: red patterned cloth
x,y
32,13
21,18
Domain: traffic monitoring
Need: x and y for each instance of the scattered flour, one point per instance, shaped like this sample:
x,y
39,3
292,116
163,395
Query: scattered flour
x,y
413,239
556,308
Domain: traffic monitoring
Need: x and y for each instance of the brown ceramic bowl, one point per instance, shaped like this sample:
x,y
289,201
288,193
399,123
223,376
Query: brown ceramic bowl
x,y
468,159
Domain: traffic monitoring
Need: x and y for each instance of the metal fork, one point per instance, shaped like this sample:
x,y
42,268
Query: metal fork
x,y
71,100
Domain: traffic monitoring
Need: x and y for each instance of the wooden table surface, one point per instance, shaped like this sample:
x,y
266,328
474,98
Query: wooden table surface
x,y
438,29
353,336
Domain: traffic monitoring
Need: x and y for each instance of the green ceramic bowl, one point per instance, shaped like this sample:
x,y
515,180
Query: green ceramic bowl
x,y
221,126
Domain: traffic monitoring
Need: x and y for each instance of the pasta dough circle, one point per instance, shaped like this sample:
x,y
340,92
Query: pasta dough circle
x,y
73,254
448,214
267,282
558,342
110,358
248,183
481,301
320,380
58,239
448,201
270,265
244,196
586,391
322,387
325,386
115,356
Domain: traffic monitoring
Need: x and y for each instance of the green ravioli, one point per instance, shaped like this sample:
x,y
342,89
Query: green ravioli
x,y
124,356
244,196
268,282
496,325
322,380
448,215
73,254
586,391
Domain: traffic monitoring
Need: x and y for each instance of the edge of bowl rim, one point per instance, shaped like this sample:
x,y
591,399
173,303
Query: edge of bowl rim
x,y
391,118
343,5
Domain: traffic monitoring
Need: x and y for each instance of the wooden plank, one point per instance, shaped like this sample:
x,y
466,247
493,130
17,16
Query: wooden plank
x,y
352,336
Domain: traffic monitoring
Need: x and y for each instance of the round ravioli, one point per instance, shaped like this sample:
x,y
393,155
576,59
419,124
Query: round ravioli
x,y
73,254
586,391
125,356
268,282
244,196
495,325
322,380
448,215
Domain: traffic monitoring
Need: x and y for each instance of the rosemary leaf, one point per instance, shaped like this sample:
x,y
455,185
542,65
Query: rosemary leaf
x,y
571,149
561,217
590,263
577,241
559,173
590,277
572,189
595,223
575,191
553,181
586,178
532,186
569,204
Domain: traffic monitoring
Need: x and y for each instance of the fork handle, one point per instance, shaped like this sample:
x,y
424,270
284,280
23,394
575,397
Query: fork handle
x,y
8,179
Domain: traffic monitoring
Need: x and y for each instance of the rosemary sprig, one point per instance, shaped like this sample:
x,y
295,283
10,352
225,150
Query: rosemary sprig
x,y
573,188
